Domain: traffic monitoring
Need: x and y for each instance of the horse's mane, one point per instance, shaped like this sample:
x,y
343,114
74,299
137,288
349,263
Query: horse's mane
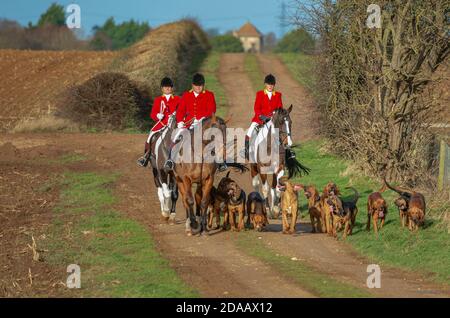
x,y
278,115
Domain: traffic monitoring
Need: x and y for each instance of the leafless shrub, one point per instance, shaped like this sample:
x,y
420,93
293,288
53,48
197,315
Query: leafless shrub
x,y
106,101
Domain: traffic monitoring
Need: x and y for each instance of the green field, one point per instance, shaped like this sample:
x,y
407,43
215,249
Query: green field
x,y
427,250
301,67
117,255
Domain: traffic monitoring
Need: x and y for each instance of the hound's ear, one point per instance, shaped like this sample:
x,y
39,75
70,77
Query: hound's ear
x,y
289,109
283,180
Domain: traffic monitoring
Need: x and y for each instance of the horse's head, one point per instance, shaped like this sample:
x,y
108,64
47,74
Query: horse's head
x,y
282,120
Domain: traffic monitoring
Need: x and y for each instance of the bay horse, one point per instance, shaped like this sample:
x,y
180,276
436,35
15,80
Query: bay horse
x,y
202,174
279,150
164,180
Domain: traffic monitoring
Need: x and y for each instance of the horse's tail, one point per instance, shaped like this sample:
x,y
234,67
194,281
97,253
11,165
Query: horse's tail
x,y
295,168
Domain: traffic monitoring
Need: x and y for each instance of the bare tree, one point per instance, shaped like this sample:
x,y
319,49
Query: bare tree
x,y
376,80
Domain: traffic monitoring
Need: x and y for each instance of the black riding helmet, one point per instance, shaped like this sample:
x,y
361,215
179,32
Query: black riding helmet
x,y
270,79
198,79
166,82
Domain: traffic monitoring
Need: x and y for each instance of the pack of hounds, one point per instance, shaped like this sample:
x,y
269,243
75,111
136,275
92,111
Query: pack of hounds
x,y
328,212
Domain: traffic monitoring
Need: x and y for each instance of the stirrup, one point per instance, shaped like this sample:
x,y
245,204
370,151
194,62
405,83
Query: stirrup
x,y
142,162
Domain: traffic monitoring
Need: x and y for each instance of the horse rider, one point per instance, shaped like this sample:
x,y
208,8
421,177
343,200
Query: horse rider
x,y
163,107
195,105
266,102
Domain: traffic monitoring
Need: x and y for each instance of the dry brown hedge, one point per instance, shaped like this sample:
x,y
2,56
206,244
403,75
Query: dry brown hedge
x,y
175,50
122,98
106,101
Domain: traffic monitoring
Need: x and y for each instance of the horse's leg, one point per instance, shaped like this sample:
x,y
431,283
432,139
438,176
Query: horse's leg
x,y
156,179
174,199
255,177
198,199
189,202
275,193
186,207
166,191
205,200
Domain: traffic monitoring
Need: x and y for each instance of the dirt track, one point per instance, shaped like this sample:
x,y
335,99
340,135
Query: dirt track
x,y
213,264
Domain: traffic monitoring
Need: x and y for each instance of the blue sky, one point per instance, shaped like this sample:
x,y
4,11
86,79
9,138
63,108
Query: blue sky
x,y
222,14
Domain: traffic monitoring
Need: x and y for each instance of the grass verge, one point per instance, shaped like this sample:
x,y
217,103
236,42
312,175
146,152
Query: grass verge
x,y
117,256
253,70
426,251
302,68
315,282
210,68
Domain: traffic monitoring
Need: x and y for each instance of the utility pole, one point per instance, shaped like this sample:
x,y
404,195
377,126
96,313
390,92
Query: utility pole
x,y
282,19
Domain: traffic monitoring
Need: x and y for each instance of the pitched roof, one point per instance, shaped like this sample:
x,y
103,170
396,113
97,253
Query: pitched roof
x,y
248,29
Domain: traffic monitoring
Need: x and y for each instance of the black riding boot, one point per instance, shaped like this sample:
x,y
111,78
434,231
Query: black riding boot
x,y
169,164
143,161
245,151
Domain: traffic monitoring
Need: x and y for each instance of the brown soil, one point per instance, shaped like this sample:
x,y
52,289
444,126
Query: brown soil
x,y
32,81
26,202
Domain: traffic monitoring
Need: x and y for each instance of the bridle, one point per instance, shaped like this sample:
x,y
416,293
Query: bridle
x,y
284,130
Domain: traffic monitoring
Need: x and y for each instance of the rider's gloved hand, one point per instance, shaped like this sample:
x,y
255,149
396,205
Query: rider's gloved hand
x,y
181,125
265,119
160,116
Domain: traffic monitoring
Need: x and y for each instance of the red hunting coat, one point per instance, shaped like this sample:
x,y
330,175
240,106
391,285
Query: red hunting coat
x,y
265,106
191,107
164,106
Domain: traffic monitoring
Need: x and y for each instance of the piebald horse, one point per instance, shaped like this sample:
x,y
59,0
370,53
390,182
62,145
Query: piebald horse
x,y
276,148
164,180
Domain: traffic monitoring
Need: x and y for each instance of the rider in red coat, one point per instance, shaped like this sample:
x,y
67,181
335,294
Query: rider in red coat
x,y
195,105
163,107
266,102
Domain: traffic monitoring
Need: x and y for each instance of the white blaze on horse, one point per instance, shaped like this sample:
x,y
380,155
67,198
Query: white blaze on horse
x,y
269,155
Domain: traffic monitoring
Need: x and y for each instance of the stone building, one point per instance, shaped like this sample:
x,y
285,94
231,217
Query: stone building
x,y
251,38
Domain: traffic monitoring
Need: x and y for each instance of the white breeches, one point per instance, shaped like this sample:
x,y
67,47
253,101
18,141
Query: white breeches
x,y
150,135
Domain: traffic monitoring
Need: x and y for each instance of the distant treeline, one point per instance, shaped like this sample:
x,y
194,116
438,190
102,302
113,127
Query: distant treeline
x,y
51,33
